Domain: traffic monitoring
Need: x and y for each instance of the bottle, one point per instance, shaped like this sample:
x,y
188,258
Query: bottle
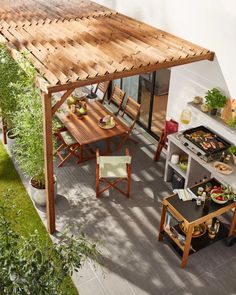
x,y
206,203
211,232
217,226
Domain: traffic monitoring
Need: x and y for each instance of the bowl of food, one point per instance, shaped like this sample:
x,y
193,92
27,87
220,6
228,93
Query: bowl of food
x,y
219,198
198,230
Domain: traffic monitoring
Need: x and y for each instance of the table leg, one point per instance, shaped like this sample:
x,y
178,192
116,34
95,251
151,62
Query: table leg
x,y
81,153
108,146
187,246
233,224
162,222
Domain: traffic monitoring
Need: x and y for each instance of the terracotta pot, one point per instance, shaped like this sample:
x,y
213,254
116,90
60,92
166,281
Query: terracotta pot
x,y
213,112
39,195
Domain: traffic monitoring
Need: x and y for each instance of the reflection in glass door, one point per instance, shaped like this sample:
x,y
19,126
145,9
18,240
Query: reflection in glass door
x,y
144,97
153,96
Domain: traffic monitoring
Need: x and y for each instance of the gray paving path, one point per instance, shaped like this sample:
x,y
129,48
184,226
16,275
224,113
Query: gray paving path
x,y
134,262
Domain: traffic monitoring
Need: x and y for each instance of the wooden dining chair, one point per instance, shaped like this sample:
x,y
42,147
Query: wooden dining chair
x,y
68,145
117,168
171,126
103,87
117,98
131,110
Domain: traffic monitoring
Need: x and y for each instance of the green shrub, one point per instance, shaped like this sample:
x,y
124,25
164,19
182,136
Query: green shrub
x,y
28,268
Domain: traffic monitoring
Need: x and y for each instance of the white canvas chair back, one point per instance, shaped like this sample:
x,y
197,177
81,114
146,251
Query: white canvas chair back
x,y
114,160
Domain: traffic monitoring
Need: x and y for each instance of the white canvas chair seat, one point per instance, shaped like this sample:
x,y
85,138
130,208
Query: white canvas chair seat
x,y
113,167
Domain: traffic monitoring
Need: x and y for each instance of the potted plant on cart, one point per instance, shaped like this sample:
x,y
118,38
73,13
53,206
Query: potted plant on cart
x,y
232,150
215,100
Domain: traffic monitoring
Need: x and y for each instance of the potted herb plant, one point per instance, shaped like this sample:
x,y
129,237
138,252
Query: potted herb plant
x,y
232,150
215,100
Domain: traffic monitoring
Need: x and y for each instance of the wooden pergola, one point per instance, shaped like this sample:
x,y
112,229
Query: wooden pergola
x,y
77,43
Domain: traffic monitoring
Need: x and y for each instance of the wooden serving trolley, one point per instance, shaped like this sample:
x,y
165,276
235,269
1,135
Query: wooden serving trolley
x,y
189,214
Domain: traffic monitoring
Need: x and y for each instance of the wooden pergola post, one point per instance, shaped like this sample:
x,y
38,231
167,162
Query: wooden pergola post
x,y
48,160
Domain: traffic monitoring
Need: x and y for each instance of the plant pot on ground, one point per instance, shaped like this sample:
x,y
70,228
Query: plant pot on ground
x,y
215,100
38,191
10,138
232,150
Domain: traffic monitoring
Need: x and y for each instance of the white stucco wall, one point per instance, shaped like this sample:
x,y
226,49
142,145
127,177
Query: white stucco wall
x,y
211,24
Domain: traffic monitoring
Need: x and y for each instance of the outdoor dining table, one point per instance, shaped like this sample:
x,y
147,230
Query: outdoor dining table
x,y
86,130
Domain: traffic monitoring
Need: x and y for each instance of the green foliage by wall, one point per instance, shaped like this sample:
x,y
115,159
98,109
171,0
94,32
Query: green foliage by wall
x,y
22,107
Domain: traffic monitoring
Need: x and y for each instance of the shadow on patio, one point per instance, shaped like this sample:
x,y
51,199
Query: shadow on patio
x,y
133,259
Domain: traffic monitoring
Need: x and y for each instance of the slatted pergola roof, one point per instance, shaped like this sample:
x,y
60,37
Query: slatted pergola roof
x,y
73,43
76,41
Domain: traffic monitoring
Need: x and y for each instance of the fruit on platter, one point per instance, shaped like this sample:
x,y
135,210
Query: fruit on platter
x,y
81,111
70,101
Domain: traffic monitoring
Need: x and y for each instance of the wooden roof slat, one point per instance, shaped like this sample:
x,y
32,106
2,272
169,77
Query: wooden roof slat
x,y
157,32
51,54
114,49
42,56
131,41
74,43
79,41
156,46
92,41
81,67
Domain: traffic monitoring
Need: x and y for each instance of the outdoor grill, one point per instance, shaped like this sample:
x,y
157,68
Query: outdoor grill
x,y
204,142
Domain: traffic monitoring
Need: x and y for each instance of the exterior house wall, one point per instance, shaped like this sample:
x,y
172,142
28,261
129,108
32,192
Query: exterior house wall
x,y
211,24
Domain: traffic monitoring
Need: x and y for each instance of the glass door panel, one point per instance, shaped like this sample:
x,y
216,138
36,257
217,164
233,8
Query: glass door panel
x,y
159,113
145,91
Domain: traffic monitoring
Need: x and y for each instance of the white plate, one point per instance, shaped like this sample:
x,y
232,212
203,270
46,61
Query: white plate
x,y
218,165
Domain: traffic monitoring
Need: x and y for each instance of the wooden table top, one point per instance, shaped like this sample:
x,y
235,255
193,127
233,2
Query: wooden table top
x,y
87,130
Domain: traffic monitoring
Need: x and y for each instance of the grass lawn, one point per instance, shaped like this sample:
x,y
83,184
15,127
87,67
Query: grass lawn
x,y
29,219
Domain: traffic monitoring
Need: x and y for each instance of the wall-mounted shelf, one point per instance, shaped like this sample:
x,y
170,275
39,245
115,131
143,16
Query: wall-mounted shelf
x,y
216,119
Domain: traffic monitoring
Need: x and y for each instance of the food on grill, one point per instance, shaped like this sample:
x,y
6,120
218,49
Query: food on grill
x,y
205,139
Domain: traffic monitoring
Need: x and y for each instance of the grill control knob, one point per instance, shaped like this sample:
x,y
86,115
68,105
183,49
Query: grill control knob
x,y
185,144
199,154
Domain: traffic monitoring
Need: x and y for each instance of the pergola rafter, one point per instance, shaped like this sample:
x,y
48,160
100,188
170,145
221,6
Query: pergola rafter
x,y
77,43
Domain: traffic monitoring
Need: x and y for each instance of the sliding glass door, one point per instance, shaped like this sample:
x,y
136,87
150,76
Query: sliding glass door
x,y
151,91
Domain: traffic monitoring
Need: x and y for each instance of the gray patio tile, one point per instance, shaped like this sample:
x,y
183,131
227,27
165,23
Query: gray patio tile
x,y
92,287
85,274
134,261
113,281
